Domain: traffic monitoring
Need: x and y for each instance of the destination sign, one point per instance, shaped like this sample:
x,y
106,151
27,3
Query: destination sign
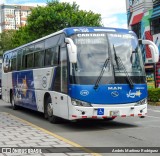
x,y
91,38
125,36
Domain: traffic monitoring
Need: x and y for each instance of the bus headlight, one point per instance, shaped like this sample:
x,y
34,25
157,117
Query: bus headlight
x,y
142,102
80,103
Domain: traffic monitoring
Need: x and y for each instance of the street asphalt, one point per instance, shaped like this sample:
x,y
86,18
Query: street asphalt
x,y
22,128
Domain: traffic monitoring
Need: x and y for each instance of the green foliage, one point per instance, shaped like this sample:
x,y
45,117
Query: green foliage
x,y
154,94
6,40
21,37
45,20
56,16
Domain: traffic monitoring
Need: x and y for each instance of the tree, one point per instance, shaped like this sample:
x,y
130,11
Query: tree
x,y
6,40
45,20
21,37
56,16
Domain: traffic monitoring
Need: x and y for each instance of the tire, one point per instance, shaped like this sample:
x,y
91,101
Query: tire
x,y
14,106
48,112
142,117
109,119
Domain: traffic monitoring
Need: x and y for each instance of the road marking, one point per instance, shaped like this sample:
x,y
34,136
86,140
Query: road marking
x,y
158,111
55,135
153,126
153,117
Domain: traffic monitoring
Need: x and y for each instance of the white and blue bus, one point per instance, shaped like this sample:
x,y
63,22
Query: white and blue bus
x,y
77,73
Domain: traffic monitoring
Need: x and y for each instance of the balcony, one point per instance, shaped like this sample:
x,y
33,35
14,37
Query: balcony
x,y
10,16
23,18
156,3
5,23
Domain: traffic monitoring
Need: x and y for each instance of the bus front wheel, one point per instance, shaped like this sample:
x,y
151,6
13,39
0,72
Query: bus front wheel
x,y
49,111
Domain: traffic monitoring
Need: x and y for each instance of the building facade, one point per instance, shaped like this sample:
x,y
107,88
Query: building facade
x,y
143,18
13,16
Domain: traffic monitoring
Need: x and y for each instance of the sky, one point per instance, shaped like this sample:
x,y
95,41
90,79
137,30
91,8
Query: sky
x,y
113,12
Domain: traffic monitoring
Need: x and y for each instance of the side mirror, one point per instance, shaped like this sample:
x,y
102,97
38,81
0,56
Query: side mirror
x,y
153,48
72,50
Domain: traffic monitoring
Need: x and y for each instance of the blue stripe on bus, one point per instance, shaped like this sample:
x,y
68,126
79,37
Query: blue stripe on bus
x,y
74,30
108,94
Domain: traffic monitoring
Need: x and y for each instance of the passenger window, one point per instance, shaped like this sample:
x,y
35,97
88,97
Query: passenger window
x,y
24,63
39,46
29,60
6,63
51,56
19,59
39,59
31,48
63,63
13,64
61,78
52,41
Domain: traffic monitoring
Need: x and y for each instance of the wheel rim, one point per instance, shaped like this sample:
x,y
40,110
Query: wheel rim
x,y
49,109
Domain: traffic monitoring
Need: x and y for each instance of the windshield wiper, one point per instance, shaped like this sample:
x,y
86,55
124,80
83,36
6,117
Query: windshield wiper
x,y
119,62
101,74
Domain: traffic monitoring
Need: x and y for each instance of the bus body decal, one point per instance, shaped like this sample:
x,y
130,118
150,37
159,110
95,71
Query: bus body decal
x,y
23,88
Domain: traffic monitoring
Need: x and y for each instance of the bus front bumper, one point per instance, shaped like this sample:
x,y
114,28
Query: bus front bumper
x,y
107,111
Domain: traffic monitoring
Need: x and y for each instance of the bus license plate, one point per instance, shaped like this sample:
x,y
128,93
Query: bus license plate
x,y
114,113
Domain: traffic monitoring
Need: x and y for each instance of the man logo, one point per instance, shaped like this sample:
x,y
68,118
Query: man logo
x,y
114,88
84,92
115,94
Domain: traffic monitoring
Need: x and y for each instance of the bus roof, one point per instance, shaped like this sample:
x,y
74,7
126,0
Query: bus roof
x,y
73,30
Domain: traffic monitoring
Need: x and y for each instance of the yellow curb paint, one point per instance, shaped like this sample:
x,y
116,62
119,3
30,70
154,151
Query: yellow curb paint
x,y
55,135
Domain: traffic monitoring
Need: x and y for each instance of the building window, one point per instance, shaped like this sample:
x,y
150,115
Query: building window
x,y
155,26
137,29
156,3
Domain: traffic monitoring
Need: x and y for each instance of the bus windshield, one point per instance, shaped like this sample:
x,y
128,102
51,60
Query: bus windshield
x,y
94,48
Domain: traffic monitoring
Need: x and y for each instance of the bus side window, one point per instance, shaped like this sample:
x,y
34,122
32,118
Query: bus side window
x,y
19,59
29,60
39,59
9,65
61,79
52,41
24,58
13,61
6,63
24,66
13,64
51,56
63,65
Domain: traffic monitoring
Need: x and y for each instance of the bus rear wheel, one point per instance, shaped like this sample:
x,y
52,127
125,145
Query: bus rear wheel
x,y
14,106
49,112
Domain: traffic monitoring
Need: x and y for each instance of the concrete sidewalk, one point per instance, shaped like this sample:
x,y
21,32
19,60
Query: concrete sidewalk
x,y
17,136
